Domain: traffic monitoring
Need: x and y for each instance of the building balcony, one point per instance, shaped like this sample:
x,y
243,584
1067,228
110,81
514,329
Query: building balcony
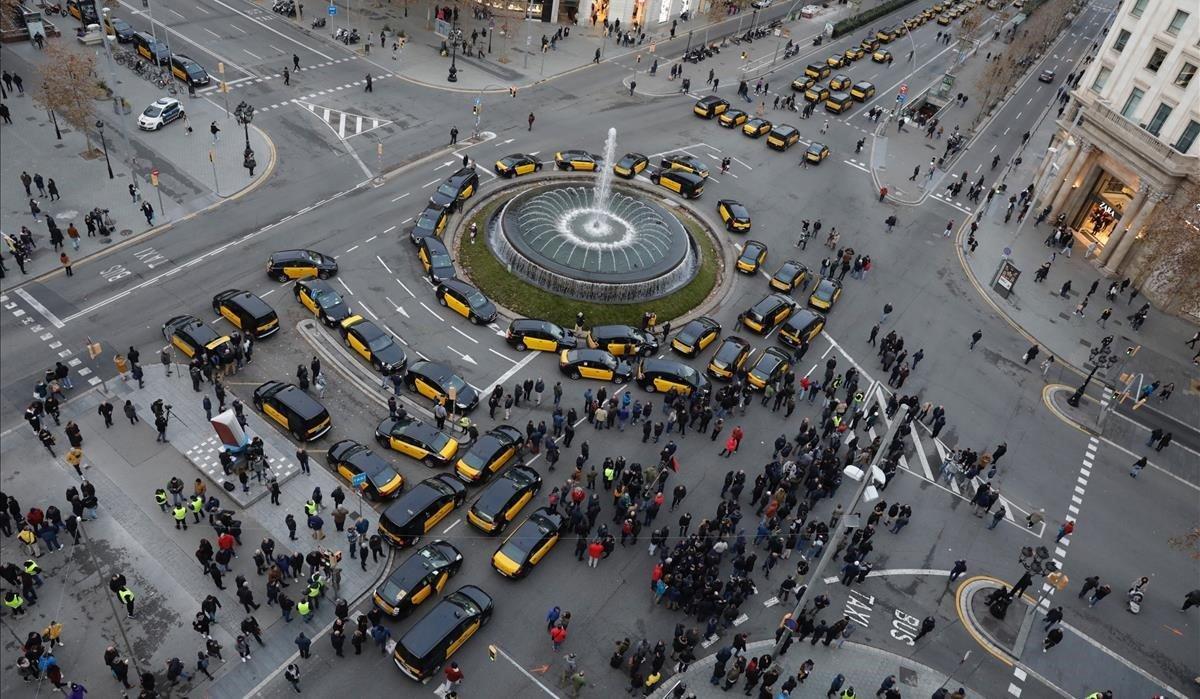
x,y
1139,140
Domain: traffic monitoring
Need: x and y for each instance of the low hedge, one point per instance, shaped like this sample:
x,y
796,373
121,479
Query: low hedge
x,y
492,278
851,23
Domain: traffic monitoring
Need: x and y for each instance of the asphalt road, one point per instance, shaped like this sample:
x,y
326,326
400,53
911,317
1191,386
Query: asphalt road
x,y
322,197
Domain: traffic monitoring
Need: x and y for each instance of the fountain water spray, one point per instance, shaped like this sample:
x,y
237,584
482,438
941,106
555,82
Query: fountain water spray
x,y
604,182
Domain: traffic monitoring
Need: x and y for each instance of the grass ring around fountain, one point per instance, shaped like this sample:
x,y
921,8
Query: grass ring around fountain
x,y
479,266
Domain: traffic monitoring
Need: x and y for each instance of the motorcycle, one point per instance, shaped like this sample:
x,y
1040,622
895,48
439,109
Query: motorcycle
x,y
1134,603
318,22
817,40
346,37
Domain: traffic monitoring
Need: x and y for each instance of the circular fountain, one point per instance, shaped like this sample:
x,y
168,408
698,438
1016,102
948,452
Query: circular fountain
x,y
594,243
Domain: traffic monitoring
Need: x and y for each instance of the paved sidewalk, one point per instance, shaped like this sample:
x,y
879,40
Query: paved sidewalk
x,y
864,667
516,58
188,181
1040,312
134,537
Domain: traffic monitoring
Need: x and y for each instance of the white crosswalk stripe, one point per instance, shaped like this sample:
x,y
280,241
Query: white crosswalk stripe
x,y
344,124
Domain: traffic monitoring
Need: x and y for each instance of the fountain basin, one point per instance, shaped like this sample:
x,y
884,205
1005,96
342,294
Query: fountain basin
x,y
556,237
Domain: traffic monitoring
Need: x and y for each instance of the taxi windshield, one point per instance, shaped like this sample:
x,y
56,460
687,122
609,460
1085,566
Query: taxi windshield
x,y
448,189
440,258
382,477
380,342
327,299
475,298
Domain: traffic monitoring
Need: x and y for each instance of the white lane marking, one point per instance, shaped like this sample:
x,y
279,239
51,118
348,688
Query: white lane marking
x,y
252,54
345,286
500,651
464,334
389,229
400,197
402,285
370,239
896,571
453,524
369,311
351,249
240,30
212,32
37,306
427,184
502,356
177,14
529,357
432,312
272,29
389,269
268,293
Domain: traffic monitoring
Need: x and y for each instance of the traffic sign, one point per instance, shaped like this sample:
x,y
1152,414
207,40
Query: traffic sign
x,y
332,10
358,480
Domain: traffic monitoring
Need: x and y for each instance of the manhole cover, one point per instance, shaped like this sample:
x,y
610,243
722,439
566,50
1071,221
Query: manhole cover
x,y
106,241
126,231
908,676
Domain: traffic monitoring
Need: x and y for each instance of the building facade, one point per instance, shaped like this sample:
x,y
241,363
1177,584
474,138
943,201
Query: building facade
x,y
1131,134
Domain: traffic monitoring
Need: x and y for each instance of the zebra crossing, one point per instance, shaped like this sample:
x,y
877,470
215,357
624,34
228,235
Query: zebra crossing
x,y
344,124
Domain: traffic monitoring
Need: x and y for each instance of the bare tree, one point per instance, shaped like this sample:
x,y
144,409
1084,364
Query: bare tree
x,y
8,14
1171,252
71,88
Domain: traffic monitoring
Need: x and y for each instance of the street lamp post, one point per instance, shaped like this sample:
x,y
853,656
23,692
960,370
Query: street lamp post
x,y
1073,401
244,113
868,479
104,144
453,76
118,101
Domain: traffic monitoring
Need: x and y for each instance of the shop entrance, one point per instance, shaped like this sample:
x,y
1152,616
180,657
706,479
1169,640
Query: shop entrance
x,y
1100,213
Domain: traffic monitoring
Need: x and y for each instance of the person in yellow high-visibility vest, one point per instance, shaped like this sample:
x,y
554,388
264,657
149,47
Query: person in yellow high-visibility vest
x,y
15,602
197,506
126,596
180,512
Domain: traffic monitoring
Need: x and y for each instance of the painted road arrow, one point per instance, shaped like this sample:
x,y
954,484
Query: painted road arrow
x,y
465,357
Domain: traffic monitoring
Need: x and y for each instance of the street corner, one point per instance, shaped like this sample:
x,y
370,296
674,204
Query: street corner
x,y
988,614
1058,398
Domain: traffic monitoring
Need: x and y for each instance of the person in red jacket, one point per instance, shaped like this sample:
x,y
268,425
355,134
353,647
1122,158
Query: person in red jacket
x,y
558,634
595,551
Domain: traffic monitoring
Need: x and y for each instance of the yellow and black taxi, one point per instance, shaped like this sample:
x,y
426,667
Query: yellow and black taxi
x,y
862,91
756,127
802,327
816,93
457,188
803,82
710,106
293,409
247,312
782,137
885,35
154,51
492,451
839,82
754,254
418,440
300,264
791,274
881,56
431,223
466,300
528,544
542,335
424,648
943,19
913,22
438,382
373,344
928,14
735,216
768,313
350,459
838,102
870,43
685,184
576,160
596,364
729,358
322,300
124,31
816,152
683,162
517,164
855,52
189,71
837,60
622,340
435,259
82,10
733,118
193,337
501,501
899,30
825,293
697,334
769,366
940,6
817,71
414,513
666,375
421,575
630,165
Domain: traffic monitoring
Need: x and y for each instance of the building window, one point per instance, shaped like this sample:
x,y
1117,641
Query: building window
x,y
1159,118
1156,60
1177,22
1138,7
1131,104
1188,137
1122,39
1186,73
1101,79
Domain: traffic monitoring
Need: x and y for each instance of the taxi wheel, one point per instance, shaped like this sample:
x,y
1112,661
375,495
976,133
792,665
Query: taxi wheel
x,y
442,300
428,461
575,374
298,435
279,277
521,346
322,274
618,380
650,387
537,167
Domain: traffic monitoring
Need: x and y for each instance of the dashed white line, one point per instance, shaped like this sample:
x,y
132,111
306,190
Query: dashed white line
x,y
258,57
350,249
242,31
432,312
368,310
347,288
502,356
403,286
212,32
464,334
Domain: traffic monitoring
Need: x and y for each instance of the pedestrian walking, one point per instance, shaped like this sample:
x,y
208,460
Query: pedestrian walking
x,y
531,121
1053,638
975,338
292,675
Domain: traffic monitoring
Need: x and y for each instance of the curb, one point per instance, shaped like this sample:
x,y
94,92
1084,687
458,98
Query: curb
x,y
720,289
150,232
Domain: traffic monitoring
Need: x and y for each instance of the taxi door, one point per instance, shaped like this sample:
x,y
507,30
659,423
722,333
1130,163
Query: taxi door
x,y
179,72
308,302
467,633
438,515
229,315
467,192
275,414
666,385
454,303
671,184
511,513
427,389
592,370
408,448
540,342
421,594
345,471
299,271
424,257
183,346
542,550
525,168
358,346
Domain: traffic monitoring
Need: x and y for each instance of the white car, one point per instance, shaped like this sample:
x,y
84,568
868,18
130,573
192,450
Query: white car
x,y
761,4
159,114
